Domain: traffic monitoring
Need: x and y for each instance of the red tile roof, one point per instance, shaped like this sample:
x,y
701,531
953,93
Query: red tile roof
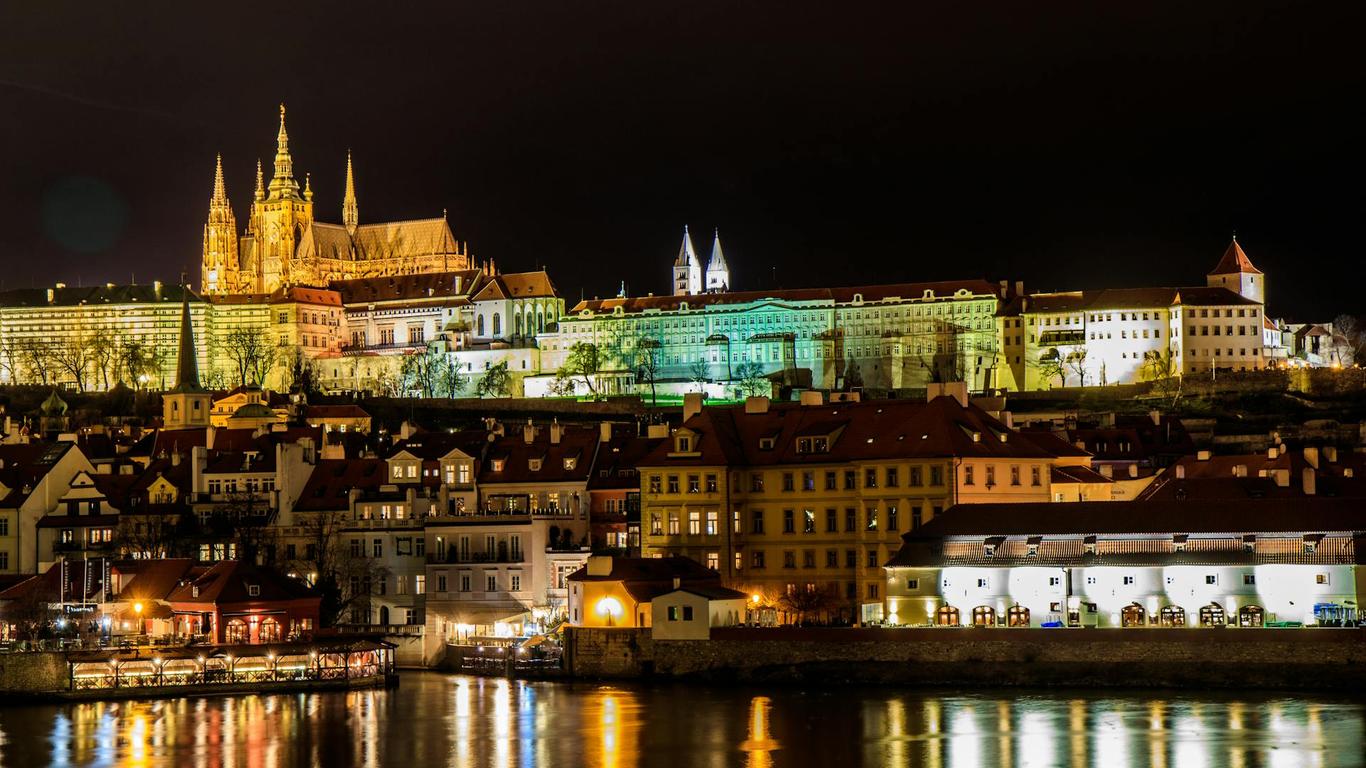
x,y
1234,261
943,289
229,580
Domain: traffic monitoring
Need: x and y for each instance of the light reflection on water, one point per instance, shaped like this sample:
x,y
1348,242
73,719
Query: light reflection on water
x,y
472,722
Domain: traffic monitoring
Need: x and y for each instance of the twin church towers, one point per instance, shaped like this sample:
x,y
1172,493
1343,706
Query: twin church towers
x,y
282,244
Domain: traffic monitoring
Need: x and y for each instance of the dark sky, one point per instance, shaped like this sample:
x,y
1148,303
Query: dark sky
x,y
1066,145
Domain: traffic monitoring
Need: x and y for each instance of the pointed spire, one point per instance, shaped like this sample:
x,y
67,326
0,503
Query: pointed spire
x,y
260,182
187,366
687,255
718,259
220,189
283,183
1234,261
308,186
350,212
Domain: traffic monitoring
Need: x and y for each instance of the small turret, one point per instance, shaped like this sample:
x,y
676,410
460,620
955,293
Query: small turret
x,y
718,272
687,270
1236,273
350,211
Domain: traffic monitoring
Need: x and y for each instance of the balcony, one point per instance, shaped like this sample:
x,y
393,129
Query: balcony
x,y
454,557
384,346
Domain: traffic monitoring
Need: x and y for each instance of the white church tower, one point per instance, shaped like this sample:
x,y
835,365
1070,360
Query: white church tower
x,y
687,269
1236,273
718,273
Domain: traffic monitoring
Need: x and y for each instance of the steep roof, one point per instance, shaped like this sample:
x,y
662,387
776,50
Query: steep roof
x,y
878,429
845,295
66,296
305,295
329,485
1234,261
450,285
1131,298
384,240
1254,476
228,582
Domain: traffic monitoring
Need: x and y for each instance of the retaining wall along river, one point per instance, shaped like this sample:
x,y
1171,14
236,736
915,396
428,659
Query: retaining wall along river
x,y
1327,659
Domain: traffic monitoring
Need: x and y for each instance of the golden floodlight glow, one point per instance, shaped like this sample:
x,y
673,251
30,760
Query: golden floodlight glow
x,y
610,607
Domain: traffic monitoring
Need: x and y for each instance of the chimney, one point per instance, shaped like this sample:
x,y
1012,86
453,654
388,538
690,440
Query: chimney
x,y
406,430
958,390
156,289
1156,417
600,565
1019,287
654,431
1309,481
604,431
692,405
1311,456
756,405
812,397
556,431
51,296
1005,289
529,432
1202,455
175,459
1133,471
1180,471
678,582
210,434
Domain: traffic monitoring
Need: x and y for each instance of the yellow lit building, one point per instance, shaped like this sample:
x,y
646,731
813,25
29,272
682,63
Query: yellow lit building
x,y
284,245
801,505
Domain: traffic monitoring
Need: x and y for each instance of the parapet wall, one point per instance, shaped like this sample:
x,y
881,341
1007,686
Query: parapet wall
x,y
1264,658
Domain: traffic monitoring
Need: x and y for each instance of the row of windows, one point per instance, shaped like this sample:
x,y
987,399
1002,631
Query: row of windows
x,y
404,546
970,475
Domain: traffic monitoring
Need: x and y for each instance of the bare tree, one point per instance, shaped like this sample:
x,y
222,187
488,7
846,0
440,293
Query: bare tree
x,y
30,613
1161,369
73,354
335,567
698,372
811,602
1076,360
136,361
1051,365
1353,332
251,354
752,380
584,360
301,371
647,365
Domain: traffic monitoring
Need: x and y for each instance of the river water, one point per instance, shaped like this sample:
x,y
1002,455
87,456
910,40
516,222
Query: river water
x,y
434,719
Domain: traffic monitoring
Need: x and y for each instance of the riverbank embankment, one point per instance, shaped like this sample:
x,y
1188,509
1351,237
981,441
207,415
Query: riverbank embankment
x,y
1289,659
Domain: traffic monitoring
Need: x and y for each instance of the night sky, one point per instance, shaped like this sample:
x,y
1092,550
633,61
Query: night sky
x,y
1065,145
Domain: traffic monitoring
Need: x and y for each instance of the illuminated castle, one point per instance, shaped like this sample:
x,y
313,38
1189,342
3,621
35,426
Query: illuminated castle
x,y
283,245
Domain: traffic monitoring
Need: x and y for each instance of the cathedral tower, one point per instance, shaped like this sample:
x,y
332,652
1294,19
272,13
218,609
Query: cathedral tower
x,y
279,222
1236,273
687,269
350,212
219,272
718,273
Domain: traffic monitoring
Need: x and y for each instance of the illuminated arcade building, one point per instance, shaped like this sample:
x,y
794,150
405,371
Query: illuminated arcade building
x,y
1149,563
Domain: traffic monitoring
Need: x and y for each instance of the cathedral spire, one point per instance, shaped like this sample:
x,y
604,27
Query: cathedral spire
x,y
220,189
350,213
283,183
260,182
718,272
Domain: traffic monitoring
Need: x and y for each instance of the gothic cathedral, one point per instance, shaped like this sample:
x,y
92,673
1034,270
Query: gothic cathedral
x,y
283,245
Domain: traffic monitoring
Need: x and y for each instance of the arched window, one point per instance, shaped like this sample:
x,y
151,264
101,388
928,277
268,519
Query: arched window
x,y
1133,615
270,630
1173,616
497,324
479,331
540,320
946,616
236,632
983,616
1251,616
517,323
1017,616
1212,615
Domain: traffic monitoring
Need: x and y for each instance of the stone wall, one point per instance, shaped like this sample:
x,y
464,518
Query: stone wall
x,y
1264,658
609,652
34,672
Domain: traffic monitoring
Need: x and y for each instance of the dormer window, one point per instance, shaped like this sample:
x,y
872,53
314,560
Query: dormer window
x,y
498,464
1032,545
253,590
1089,543
684,444
1179,542
534,465
194,591
570,462
765,443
